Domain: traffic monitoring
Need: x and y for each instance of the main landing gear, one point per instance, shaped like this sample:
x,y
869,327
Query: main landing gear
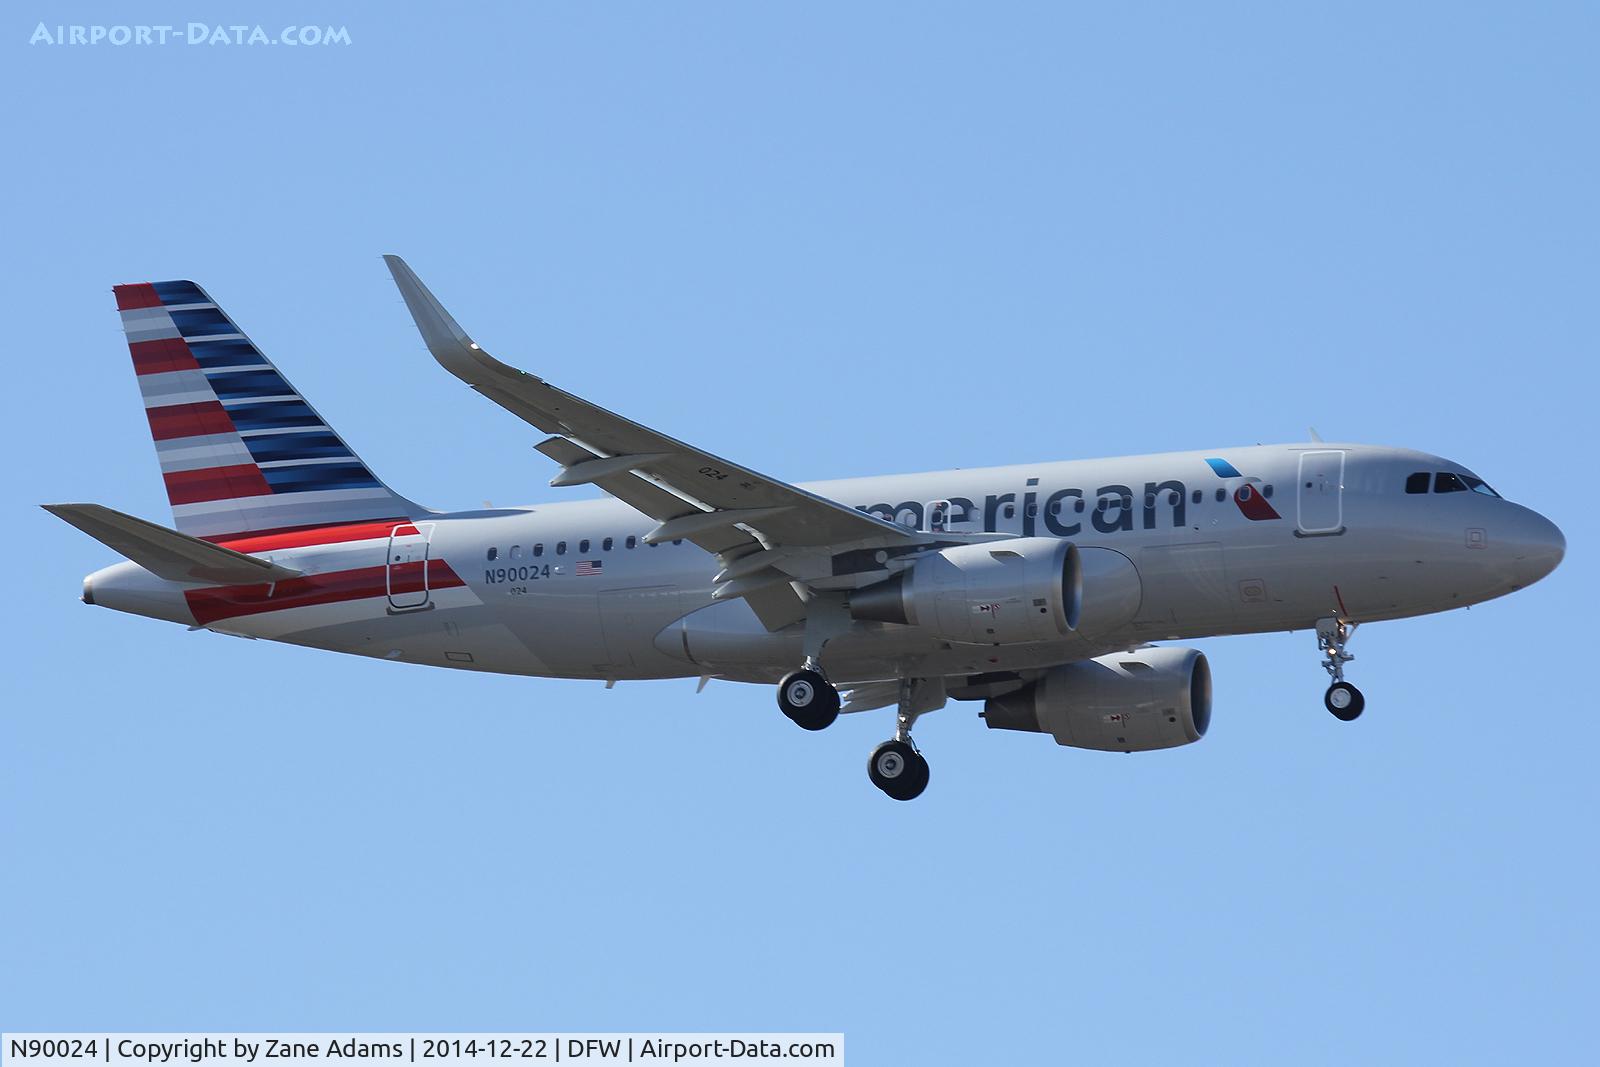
x,y
896,767
1342,699
808,698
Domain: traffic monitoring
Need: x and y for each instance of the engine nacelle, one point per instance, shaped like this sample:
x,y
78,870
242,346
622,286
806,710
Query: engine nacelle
x,y
1127,702
1016,591
1023,589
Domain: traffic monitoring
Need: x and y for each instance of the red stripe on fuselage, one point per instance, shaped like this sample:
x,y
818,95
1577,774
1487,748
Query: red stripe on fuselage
x,y
215,483
139,295
306,536
160,356
312,590
188,420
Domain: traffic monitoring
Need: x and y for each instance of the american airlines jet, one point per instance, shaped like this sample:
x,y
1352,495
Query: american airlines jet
x,y
1037,589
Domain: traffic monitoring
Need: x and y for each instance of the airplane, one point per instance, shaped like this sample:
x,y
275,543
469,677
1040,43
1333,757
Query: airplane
x,y
1039,589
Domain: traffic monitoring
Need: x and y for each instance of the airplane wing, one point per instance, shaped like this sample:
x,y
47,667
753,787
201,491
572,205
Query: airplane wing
x,y
766,532
167,553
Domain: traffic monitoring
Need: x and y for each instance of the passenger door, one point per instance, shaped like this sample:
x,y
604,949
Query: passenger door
x,y
1321,493
406,570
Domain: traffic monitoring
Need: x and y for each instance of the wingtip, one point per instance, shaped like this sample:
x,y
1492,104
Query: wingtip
x,y
437,326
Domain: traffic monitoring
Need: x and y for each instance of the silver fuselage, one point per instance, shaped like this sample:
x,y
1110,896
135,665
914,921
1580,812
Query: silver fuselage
x,y
1322,530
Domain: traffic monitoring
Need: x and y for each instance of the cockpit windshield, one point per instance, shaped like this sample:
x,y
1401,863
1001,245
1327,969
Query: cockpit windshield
x,y
1449,482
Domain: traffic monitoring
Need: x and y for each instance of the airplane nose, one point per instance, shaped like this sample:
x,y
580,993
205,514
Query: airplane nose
x,y
1537,547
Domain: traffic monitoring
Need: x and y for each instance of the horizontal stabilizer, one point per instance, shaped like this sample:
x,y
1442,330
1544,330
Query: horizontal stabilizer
x,y
167,553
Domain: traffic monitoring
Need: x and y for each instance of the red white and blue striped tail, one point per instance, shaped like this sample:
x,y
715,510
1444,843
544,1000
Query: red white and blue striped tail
x,y
241,451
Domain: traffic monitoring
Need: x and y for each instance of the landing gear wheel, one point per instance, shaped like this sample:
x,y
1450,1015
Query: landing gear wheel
x,y
1345,701
809,699
899,770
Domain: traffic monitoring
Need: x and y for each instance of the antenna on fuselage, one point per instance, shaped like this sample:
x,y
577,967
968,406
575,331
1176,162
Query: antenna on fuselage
x,y
1315,436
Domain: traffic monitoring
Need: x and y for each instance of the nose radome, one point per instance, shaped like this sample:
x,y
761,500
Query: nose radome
x,y
1537,547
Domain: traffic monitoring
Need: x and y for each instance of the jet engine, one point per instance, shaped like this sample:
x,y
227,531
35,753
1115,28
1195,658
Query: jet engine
x,y
1016,591
1128,702
1019,590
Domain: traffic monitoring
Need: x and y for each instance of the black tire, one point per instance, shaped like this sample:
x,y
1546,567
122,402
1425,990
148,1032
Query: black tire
x,y
808,699
1344,701
898,769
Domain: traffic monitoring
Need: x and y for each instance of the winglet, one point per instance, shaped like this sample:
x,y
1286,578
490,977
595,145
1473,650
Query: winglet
x,y
167,553
455,350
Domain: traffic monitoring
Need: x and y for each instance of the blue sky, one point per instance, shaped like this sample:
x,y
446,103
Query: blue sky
x,y
824,240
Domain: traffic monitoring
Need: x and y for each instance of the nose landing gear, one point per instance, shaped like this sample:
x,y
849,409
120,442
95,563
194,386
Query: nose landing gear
x,y
1342,699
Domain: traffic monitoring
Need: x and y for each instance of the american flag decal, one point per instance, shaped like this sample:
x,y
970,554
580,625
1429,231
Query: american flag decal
x,y
587,566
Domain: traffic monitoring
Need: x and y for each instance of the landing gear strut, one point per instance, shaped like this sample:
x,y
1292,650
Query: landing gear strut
x,y
896,767
1342,699
807,697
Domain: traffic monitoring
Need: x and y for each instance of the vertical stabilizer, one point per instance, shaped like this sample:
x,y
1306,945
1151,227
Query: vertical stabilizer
x,y
241,451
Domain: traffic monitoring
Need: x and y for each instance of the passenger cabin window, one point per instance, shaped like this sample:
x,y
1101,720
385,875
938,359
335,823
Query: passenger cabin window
x,y
631,541
1198,496
1222,494
1266,491
561,548
538,549
1445,482
583,546
493,552
516,551
1417,483
605,546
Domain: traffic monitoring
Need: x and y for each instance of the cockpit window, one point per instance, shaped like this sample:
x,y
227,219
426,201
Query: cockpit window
x,y
1478,485
1445,482
1417,483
